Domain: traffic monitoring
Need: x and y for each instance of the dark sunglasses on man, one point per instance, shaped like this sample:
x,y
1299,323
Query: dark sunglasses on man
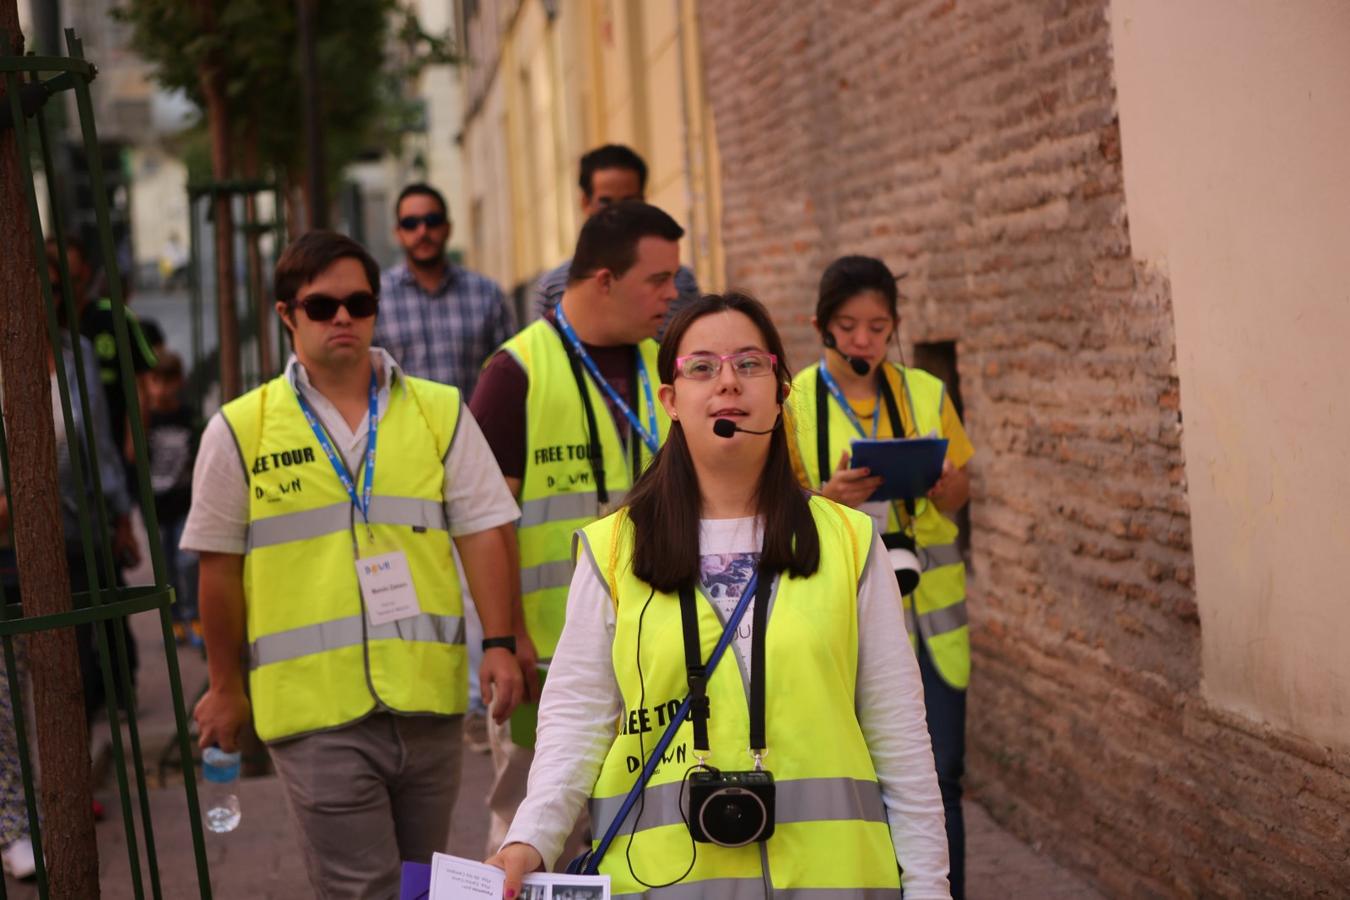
x,y
431,220
321,307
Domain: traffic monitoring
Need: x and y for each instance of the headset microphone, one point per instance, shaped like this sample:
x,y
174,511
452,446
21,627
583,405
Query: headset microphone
x,y
859,365
725,428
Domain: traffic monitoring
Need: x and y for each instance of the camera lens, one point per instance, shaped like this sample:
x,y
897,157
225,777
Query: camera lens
x,y
732,817
732,814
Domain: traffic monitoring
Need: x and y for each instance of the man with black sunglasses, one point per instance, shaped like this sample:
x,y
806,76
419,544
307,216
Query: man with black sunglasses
x,y
326,507
438,320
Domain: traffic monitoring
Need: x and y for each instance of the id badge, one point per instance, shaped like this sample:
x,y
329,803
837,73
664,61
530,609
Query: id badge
x,y
387,587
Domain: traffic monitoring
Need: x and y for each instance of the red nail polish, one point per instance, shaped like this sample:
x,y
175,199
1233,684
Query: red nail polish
x,y
510,892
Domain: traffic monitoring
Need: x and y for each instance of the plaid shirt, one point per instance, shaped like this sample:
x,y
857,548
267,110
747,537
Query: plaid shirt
x,y
447,335
548,290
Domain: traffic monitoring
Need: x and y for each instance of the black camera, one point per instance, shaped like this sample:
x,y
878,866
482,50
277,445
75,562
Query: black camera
x,y
730,809
904,557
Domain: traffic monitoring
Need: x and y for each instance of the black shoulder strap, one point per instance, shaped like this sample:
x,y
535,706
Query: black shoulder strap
x,y
757,639
892,410
897,424
694,668
699,705
597,453
634,439
823,460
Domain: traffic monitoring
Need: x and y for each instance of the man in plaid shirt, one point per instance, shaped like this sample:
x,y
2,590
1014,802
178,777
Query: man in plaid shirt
x,y
439,321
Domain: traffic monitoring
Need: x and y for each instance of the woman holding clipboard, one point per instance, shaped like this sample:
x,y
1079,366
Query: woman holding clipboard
x,y
856,392
804,763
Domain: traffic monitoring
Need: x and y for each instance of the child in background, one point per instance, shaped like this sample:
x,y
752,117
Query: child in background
x,y
173,435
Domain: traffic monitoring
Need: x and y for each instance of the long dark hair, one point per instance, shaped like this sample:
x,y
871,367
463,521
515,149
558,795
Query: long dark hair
x,y
664,504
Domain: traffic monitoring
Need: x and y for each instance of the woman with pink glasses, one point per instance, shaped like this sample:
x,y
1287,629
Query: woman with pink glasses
x,y
728,695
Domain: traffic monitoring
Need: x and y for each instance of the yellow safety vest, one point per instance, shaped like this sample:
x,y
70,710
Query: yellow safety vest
x,y
316,662
558,490
937,609
830,824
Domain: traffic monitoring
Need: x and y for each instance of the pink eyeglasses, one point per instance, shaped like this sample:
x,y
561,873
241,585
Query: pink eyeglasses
x,y
707,366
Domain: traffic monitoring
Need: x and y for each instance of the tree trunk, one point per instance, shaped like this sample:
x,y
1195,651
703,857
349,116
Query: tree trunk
x,y
316,185
264,312
218,124
66,798
296,203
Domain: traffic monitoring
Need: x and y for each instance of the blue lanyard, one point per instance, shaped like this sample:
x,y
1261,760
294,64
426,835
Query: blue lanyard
x,y
361,503
839,398
589,862
648,434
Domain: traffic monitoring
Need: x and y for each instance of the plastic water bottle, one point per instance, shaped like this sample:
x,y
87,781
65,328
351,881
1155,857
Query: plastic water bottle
x,y
221,772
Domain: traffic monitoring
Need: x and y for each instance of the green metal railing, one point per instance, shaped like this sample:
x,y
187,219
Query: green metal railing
x,y
30,81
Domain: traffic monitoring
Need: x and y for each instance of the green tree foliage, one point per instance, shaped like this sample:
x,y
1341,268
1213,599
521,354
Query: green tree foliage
x,y
367,52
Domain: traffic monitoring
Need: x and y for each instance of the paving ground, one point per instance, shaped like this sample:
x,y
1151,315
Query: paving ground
x,y
259,860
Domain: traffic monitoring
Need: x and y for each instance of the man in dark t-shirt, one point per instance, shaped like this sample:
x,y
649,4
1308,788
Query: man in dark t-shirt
x,y
96,324
620,286
499,401
172,438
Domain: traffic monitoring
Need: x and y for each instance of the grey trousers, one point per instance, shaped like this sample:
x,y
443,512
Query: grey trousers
x,y
369,796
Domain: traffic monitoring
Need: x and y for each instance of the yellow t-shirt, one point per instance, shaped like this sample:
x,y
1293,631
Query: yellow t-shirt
x,y
959,448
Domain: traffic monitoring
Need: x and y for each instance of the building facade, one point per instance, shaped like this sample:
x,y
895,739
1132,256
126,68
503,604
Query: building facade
x,y
546,82
1121,223
1112,214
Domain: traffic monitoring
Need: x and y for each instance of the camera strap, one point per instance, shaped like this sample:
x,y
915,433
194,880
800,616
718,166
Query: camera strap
x,y
589,863
897,423
596,455
596,450
698,673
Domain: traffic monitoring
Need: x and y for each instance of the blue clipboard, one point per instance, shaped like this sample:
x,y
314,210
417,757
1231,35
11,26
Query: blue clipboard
x,y
909,467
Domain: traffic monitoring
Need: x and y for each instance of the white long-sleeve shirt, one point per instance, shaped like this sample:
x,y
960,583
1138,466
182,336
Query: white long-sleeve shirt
x,y
581,702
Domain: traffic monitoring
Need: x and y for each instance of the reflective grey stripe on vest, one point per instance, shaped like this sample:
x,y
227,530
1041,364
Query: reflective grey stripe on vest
x,y
564,507
546,575
940,621
753,889
799,800
939,555
325,520
349,632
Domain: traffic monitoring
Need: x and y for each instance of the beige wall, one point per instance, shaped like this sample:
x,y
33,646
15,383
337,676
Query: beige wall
x,y
1235,119
488,185
600,71
158,202
653,100
442,90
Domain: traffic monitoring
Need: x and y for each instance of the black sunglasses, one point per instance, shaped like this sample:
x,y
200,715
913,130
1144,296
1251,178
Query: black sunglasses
x,y
321,307
431,220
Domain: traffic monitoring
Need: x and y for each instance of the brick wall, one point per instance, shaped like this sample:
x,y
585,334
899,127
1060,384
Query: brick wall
x,y
975,144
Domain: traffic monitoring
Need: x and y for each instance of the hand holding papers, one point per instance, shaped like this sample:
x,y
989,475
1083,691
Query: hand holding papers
x,y
453,878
